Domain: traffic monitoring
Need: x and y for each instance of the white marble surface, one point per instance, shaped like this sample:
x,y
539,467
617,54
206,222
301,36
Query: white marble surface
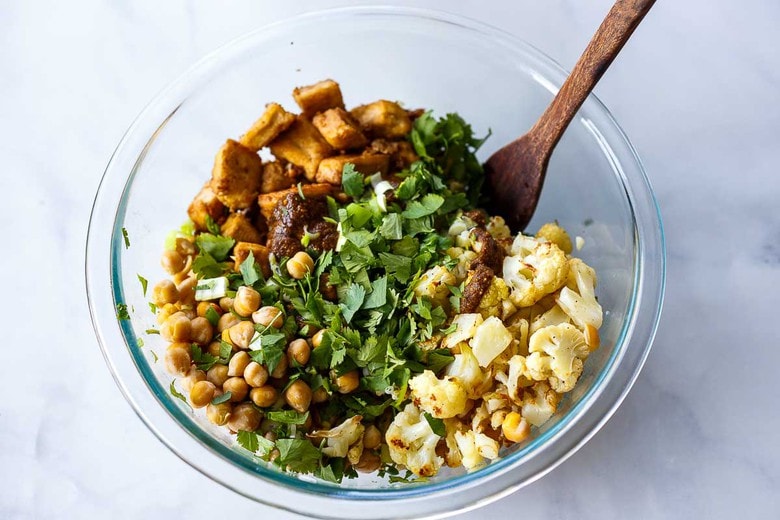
x,y
697,92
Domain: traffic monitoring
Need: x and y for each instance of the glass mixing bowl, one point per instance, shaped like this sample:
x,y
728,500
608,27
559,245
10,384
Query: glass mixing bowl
x,y
596,188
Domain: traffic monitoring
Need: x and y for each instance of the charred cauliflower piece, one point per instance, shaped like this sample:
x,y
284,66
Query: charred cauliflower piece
x,y
318,97
340,129
383,119
475,448
412,443
554,233
205,205
557,352
238,227
302,145
581,306
539,403
534,270
442,398
341,438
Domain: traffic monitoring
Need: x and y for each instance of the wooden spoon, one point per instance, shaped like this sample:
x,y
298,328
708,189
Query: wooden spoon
x,y
515,173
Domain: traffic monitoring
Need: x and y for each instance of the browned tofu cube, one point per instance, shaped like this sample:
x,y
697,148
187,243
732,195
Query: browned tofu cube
x,y
401,153
303,145
340,129
260,253
330,169
238,227
318,97
383,119
268,201
276,177
235,178
273,122
206,204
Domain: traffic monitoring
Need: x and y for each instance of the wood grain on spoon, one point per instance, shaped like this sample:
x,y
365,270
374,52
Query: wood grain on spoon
x,y
515,173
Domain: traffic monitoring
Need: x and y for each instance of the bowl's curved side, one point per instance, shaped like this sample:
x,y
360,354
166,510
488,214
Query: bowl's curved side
x,y
105,244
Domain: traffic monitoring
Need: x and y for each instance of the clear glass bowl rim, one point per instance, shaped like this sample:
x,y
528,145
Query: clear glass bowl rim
x,y
101,323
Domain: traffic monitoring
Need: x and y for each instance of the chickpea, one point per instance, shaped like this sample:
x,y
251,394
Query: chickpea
x,y
372,437
226,321
320,395
217,374
244,417
255,374
369,462
247,301
237,388
178,359
215,348
281,368
299,351
202,393
185,247
203,308
165,292
263,396
166,312
298,396
187,290
188,312
238,363
241,334
176,328
316,340
219,413
193,376
202,331
515,428
226,303
172,262
300,265
268,316
348,382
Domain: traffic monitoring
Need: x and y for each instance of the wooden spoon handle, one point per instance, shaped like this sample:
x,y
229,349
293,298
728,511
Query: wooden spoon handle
x,y
610,37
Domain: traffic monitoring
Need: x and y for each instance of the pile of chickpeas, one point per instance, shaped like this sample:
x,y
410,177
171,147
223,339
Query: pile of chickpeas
x,y
251,385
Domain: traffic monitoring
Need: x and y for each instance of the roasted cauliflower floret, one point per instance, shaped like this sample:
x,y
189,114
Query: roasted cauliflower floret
x,y
539,403
497,227
492,302
516,378
464,258
554,233
340,438
460,231
465,327
557,352
466,371
442,398
412,443
433,284
533,270
581,306
554,316
475,448
452,454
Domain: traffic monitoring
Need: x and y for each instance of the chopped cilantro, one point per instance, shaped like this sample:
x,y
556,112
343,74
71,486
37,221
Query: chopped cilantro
x,y
121,311
212,316
212,226
250,271
154,355
222,398
424,207
287,416
298,455
126,237
217,246
178,395
152,331
144,283
140,342
351,180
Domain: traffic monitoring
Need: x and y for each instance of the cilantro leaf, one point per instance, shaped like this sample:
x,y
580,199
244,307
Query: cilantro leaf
x,y
249,270
351,181
126,238
121,311
212,226
287,416
378,295
217,246
298,455
437,425
439,358
391,228
212,316
424,207
222,398
247,440
144,283
178,395
352,301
